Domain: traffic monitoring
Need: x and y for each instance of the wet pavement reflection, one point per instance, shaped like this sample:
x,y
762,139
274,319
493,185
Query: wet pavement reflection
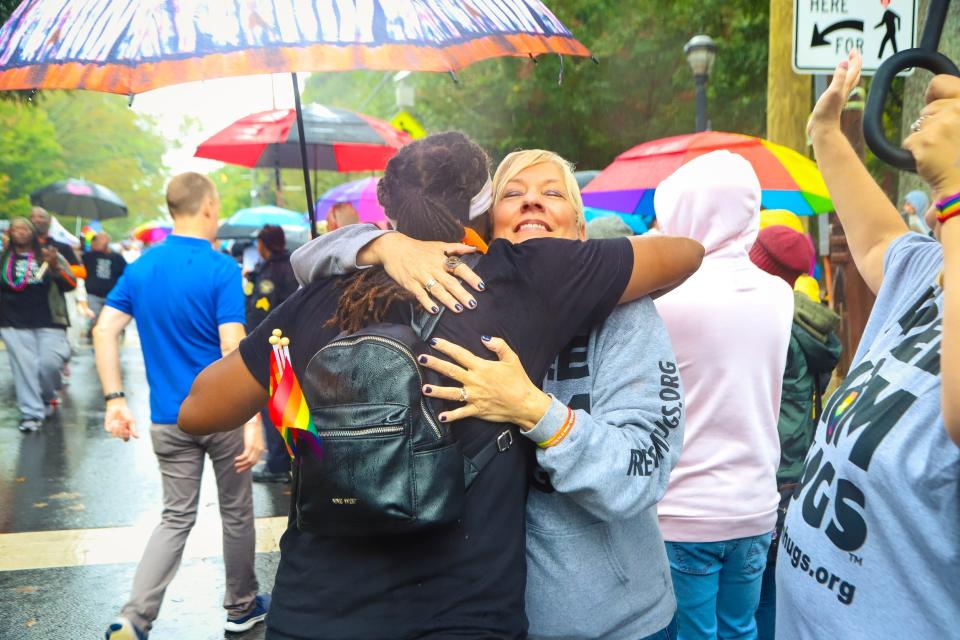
x,y
70,476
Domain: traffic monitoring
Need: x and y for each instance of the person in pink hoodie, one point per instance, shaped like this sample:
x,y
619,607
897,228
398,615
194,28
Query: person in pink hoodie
x,y
730,327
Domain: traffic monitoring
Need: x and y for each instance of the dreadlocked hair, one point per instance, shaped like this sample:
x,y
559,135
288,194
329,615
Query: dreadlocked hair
x,y
426,189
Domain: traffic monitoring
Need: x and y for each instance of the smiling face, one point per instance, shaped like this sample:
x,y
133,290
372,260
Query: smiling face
x,y
20,235
536,203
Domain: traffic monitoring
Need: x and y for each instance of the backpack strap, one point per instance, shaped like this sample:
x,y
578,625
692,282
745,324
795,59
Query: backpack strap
x,y
473,466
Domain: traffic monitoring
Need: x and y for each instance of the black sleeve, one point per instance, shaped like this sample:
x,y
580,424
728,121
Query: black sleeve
x,y
121,263
67,252
578,283
256,350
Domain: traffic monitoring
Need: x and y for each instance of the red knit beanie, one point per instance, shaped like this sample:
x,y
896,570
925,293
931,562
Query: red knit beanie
x,y
782,252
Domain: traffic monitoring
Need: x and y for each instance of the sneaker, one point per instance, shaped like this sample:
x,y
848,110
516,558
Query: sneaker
x,y
29,425
51,408
261,473
123,629
260,607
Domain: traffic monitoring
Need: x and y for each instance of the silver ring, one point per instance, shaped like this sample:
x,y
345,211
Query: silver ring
x,y
463,394
917,124
429,284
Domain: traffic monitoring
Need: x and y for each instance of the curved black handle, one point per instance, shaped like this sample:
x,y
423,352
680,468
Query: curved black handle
x,y
880,88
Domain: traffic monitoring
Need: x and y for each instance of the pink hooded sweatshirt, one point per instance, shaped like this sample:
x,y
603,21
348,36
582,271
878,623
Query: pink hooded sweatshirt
x,y
730,327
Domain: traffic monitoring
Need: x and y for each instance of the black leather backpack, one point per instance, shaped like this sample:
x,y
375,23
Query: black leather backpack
x,y
388,466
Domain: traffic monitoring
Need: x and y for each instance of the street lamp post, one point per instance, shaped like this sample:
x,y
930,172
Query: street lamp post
x,y
701,52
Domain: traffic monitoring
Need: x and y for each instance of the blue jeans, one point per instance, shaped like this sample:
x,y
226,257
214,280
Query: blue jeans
x,y
718,587
767,611
669,632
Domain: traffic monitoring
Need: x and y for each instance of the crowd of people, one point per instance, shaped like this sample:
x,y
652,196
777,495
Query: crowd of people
x,y
647,437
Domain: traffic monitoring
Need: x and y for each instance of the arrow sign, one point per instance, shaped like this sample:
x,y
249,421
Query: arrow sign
x,y
818,36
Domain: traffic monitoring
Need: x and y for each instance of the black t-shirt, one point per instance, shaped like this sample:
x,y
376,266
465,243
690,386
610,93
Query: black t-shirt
x,y
30,307
267,286
103,271
465,580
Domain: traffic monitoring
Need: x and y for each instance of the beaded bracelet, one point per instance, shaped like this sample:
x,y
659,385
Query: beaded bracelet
x,y
948,208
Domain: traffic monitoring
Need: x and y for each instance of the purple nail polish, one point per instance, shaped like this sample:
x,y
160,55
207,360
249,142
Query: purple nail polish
x,y
443,418
435,309
433,342
422,359
428,389
485,338
481,286
458,307
472,304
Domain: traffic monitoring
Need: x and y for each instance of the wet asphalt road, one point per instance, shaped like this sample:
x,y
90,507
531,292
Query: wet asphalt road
x,y
71,476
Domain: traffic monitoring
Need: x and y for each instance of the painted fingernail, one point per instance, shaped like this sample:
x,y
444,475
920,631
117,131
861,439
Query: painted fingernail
x,y
458,307
422,359
434,309
485,338
443,418
481,286
472,304
428,389
433,342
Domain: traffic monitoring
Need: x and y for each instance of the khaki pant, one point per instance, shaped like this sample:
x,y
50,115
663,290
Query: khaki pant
x,y
181,459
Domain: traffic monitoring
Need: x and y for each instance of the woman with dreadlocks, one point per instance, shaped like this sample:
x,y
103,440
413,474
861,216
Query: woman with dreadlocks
x,y
465,579
33,320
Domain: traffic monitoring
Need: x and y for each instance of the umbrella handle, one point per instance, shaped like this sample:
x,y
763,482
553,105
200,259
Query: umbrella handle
x,y
925,57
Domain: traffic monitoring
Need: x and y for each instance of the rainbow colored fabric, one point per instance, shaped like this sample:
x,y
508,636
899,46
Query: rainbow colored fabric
x,y
788,179
288,408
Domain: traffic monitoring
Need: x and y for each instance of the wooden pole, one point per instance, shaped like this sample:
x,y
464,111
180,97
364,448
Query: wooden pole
x,y
788,94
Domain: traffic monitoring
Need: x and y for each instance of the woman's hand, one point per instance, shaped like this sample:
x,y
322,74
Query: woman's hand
x,y
496,390
826,113
420,268
935,145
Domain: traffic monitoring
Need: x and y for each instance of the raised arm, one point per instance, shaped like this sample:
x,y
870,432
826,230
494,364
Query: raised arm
x,y
869,219
936,147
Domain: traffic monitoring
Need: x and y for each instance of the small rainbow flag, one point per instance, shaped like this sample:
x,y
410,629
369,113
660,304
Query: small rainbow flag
x,y
288,408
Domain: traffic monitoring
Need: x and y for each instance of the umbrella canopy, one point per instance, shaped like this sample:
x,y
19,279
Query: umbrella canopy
x,y
337,140
362,194
132,46
80,198
788,180
246,224
152,232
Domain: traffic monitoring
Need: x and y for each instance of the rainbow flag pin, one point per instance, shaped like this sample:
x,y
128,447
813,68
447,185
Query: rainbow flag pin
x,y
288,408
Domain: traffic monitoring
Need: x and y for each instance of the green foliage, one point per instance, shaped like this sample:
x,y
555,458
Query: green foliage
x,y
641,89
31,156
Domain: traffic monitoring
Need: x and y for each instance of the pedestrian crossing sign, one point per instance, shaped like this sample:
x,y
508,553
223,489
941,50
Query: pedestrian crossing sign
x,y
824,32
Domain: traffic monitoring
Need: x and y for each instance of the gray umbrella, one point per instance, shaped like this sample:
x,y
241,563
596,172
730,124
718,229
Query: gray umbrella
x,y
80,198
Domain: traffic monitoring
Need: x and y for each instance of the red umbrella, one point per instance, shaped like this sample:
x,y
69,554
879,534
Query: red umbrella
x,y
336,140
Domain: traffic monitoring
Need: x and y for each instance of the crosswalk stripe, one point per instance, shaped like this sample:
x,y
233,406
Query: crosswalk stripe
x,y
85,547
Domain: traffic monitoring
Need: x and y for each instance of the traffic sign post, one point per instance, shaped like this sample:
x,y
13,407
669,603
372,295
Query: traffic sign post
x,y
824,32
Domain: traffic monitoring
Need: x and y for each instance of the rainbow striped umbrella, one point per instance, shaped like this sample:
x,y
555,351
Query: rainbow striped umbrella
x,y
152,232
789,180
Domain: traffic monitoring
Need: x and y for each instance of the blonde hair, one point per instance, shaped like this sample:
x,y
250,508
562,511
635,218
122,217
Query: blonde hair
x,y
518,161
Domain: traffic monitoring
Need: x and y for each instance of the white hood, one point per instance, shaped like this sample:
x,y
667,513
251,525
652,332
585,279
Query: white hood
x,y
713,199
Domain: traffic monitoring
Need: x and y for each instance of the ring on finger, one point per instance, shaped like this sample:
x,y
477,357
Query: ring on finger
x,y
917,124
451,263
463,394
429,284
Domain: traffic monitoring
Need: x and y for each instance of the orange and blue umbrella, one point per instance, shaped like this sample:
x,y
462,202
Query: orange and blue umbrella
x,y
788,180
132,46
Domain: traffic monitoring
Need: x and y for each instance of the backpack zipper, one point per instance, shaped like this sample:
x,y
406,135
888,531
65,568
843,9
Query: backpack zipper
x,y
357,433
349,342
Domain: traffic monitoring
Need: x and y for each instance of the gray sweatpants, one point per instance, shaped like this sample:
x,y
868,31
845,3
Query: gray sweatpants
x,y
36,358
181,464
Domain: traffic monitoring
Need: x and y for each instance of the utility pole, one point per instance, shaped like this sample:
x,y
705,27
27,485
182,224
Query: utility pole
x,y
788,94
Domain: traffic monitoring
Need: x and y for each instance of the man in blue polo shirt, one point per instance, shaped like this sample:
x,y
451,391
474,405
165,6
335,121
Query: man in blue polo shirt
x,y
188,302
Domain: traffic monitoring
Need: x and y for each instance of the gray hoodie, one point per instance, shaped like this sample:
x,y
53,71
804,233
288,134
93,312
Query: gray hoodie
x,y
596,562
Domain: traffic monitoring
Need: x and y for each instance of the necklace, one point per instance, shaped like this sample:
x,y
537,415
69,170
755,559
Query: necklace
x,y
8,277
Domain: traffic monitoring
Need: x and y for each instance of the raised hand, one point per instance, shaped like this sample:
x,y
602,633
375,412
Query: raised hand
x,y
826,113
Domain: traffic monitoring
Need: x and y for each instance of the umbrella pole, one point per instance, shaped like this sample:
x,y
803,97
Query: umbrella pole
x,y
303,156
